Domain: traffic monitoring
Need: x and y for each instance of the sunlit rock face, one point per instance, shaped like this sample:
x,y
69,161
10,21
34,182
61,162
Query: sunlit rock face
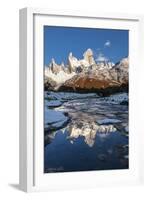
x,y
94,82
72,62
88,57
84,63
87,75
54,67
124,63
123,70
101,77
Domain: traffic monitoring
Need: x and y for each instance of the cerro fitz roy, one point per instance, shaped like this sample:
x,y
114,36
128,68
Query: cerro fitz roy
x,y
87,75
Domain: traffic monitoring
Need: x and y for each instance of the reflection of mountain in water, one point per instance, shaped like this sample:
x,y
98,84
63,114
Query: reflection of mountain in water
x,y
88,131
76,125
85,115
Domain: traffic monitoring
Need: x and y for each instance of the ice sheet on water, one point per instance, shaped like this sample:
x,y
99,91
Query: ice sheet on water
x,y
54,119
62,96
53,103
108,121
116,98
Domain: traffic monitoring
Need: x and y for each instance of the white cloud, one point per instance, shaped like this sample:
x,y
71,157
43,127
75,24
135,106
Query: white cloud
x,y
107,43
101,58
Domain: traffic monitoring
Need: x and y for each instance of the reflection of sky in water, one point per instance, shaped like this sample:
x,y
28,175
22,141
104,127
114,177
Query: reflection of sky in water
x,y
83,143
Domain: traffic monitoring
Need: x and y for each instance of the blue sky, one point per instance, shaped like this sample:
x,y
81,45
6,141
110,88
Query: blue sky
x,y
107,44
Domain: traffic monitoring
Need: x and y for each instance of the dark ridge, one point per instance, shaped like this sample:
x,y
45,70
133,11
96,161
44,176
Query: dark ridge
x,y
101,92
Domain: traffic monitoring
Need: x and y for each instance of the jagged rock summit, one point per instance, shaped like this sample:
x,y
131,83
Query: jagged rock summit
x,y
54,67
88,56
84,63
86,75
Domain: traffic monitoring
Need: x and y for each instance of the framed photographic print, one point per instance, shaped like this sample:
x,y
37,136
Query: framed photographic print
x,y
79,118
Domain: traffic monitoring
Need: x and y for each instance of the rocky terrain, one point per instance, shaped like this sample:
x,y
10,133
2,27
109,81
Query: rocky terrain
x,y
86,75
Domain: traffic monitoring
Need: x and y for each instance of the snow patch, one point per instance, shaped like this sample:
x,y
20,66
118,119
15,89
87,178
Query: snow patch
x,y
60,77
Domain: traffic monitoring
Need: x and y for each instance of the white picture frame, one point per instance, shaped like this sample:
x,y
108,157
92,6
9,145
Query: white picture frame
x,y
31,101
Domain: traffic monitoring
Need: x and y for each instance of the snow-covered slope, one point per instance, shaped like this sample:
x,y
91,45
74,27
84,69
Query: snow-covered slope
x,y
86,74
59,77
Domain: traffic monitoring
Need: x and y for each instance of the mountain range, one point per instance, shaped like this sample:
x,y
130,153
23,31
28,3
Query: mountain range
x,y
87,75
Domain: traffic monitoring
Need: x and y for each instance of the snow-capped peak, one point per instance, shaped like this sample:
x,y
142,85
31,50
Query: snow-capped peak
x,y
62,72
